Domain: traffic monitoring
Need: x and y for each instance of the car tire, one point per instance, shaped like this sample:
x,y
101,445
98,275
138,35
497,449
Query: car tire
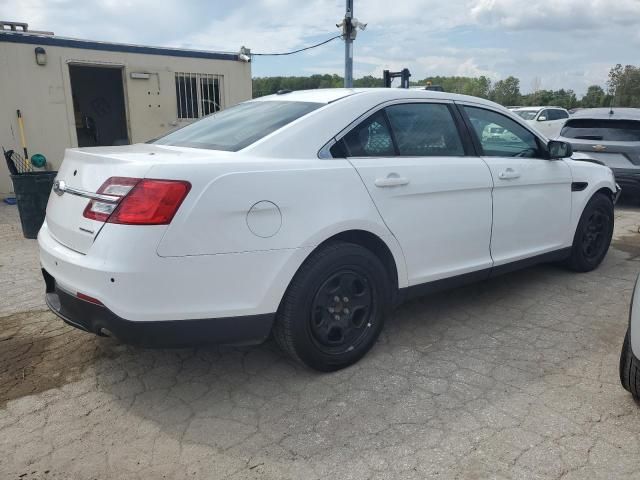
x,y
629,369
334,308
593,235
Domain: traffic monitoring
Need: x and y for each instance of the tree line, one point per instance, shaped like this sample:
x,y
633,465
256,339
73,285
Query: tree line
x,y
622,88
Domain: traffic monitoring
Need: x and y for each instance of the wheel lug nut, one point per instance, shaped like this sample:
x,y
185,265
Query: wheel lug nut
x,y
346,311
331,310
336,317
336,299
345,299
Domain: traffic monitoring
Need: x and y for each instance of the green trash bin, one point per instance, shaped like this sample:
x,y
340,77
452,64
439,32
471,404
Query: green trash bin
x,y
32,191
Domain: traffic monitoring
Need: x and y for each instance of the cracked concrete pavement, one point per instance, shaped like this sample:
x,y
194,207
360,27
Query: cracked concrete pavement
x,y
516,377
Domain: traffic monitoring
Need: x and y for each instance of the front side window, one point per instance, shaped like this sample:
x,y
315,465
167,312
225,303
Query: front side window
x,y
238,127
544,116
424,130
553,115
500,136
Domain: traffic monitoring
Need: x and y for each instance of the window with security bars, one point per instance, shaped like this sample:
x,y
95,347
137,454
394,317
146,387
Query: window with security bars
x,y
197,94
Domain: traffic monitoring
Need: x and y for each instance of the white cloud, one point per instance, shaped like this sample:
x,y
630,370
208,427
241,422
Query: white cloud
x,y
555,14
497,38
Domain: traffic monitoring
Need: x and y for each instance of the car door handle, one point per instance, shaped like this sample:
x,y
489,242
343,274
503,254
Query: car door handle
x,y
509,174
392,180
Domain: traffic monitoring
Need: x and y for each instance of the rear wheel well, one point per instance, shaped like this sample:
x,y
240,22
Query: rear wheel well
x,y
374,244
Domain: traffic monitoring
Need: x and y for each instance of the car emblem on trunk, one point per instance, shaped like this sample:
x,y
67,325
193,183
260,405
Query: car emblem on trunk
x,y
59,187
599,148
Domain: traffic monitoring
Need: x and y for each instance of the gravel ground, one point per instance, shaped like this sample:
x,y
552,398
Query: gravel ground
x,y
510,378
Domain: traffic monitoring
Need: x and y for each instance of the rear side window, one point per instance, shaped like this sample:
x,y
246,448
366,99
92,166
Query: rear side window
x,y
371,138
409,130
602,130
238,127
424,130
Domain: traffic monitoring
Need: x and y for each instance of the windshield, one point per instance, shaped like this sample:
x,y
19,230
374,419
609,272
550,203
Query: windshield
x,y
238,127
526,114
606,130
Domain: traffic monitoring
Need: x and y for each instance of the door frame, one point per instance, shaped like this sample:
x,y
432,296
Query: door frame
x,y
542,146
66,73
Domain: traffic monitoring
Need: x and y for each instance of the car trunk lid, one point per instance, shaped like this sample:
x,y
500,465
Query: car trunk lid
x,y
85,170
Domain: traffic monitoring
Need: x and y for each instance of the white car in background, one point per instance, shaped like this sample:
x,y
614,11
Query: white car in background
x,y
547,120
309,215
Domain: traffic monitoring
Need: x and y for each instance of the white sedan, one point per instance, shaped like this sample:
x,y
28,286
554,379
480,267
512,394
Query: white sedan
x,y
547,120
309,215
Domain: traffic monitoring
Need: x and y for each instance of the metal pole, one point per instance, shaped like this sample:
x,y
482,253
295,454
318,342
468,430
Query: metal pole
x,y
348,46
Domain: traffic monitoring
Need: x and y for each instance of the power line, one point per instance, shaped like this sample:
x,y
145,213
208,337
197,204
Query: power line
x,y
299,50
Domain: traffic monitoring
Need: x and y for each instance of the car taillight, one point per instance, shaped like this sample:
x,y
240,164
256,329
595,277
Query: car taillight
x,y
142,202
116,187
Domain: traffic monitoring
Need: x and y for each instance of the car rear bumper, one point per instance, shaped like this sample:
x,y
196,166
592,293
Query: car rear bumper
x,y
123,271
98,319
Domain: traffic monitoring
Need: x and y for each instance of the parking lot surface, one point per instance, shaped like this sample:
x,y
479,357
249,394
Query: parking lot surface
x,y
516,377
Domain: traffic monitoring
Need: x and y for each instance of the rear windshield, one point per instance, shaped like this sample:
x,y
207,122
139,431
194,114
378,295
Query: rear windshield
x,y
238,127
606,130
526,114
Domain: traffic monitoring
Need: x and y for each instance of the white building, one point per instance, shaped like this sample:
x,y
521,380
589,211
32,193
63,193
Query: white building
x,y
84,93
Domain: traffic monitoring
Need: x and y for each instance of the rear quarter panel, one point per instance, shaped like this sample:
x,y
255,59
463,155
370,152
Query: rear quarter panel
x,y
315,200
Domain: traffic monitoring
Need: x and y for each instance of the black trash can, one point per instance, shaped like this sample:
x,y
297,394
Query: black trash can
x,y
32,191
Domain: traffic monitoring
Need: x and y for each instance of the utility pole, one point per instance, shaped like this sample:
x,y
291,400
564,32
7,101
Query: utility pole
x,y
348,45
349,26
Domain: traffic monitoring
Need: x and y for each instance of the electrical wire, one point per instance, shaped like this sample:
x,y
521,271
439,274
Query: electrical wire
x,y
297,51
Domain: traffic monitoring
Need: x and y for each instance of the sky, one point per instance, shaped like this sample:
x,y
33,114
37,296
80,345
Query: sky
x,y
548,44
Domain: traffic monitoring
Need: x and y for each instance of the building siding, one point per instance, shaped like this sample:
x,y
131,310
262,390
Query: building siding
x,y
43,94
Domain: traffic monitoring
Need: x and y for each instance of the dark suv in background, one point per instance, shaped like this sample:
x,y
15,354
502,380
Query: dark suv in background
x,y
610,136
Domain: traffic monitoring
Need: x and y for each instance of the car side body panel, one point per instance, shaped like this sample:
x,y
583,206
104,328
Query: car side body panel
x,y
307,197
252,218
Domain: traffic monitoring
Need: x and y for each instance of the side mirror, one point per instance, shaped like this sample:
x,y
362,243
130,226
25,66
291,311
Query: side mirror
x,y
542,119
558,149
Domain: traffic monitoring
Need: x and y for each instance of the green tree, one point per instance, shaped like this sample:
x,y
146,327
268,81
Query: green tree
x,y
624,85
506,92
368,81
595,97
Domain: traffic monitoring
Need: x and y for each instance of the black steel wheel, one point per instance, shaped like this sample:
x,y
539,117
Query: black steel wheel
x,y
342,310
593,235
596,231
334,308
